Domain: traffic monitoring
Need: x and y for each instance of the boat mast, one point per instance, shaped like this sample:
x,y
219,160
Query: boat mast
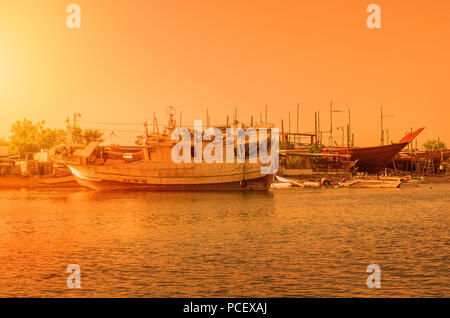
x,y
331,125
382,131
349,129
382,126
147,141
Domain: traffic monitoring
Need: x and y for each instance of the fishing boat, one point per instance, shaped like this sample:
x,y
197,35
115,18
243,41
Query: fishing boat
x,y
375,159
280,182
151,167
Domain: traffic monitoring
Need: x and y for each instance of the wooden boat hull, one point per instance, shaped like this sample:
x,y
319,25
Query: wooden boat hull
x,y
150,176
375,159
260,184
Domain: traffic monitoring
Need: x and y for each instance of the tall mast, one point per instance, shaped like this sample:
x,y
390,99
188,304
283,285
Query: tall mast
x,y
382,130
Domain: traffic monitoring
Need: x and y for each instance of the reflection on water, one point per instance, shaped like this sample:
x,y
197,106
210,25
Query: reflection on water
x,y
289,243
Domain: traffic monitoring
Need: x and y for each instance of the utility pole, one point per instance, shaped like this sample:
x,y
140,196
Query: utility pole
x,y
298,114
75,116
154,120
266,115
318,127
382,128
315,126
348,137
289,122
349,128
331,122
68,130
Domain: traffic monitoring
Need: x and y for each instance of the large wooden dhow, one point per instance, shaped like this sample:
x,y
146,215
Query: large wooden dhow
x,y
375,159
152,168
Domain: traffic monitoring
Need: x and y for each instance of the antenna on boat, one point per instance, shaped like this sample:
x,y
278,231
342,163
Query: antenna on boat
x,y
155,124
146,127
147,141
171,111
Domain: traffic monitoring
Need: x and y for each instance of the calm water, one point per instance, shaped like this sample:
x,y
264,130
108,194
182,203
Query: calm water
x,y
286,243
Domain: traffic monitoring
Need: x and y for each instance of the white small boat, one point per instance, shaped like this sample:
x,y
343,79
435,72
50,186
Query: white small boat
x,y
281,182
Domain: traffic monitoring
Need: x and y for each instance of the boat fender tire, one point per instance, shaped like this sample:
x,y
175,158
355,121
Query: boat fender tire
x,y
244,183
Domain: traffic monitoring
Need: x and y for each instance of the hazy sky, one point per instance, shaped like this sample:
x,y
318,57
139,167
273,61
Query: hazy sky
x,y
133,58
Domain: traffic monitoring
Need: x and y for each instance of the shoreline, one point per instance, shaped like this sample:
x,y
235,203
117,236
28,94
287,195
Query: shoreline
x,y
20,182
436,179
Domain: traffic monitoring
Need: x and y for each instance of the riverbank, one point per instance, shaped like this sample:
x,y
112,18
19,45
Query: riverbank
x,y
335,179
436,179
19,182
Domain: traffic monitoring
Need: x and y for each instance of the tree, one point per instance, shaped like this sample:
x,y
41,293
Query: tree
x,y
77,135
49,138
92,135
24,137
28,137
433,144
316,148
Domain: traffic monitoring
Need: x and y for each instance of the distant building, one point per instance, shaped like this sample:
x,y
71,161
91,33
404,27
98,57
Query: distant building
x,y
42,156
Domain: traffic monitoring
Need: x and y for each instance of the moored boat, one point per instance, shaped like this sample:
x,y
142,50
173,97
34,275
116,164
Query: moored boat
x,y
152,167
375,159
173,177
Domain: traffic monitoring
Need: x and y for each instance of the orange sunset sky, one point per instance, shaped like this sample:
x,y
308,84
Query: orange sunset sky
x,y
132,58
